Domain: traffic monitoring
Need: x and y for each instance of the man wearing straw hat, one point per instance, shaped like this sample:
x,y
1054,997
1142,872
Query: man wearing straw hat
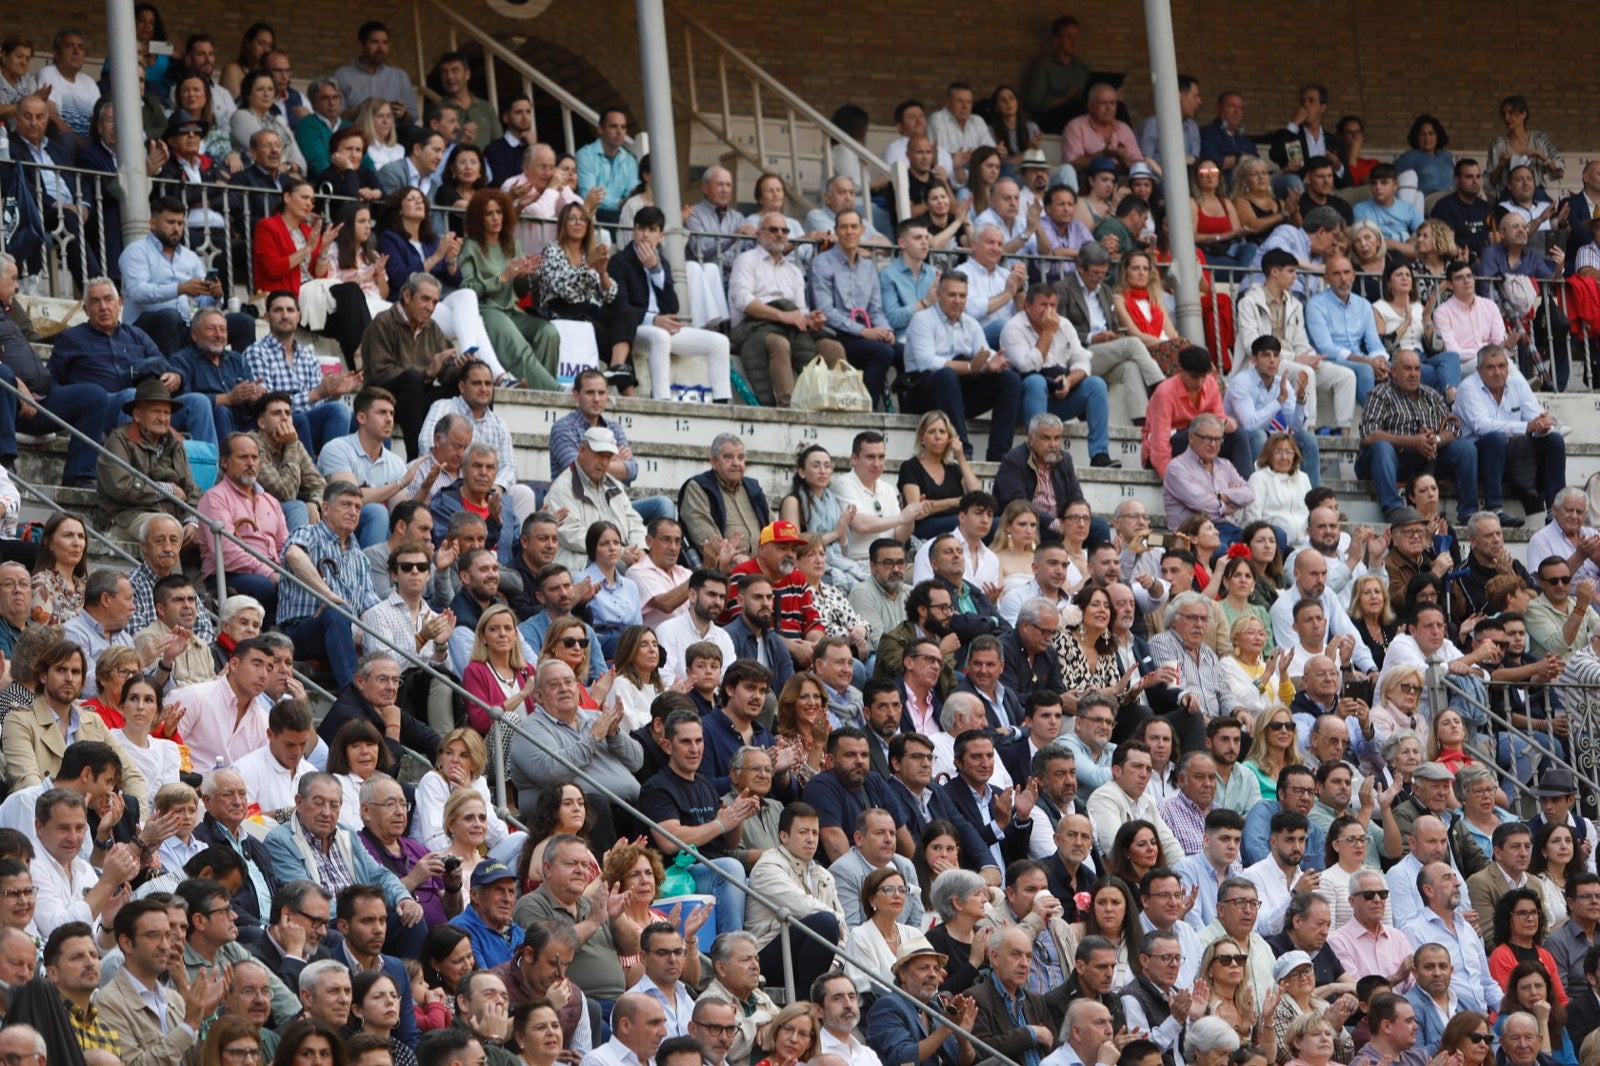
x,y
901,1032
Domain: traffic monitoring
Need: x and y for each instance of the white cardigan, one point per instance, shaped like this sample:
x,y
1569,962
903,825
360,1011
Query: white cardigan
x,y
1281,500
428,821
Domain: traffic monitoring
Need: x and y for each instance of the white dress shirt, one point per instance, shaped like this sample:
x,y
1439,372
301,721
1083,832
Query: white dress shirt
x,y
58,892
678,1004
882,500
677,633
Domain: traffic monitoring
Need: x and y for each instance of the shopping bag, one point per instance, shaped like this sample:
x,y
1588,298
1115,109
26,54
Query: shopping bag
x,y
824,388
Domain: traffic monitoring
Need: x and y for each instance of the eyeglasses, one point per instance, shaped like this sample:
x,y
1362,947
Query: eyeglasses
x,y
1095,719
227,907
393,805
1410,688
1371,894
1248,903
1352,839
669,953
1209,438
17,893
892,890
1168,958
242,1054
716,1030
413,568
316,922
574,642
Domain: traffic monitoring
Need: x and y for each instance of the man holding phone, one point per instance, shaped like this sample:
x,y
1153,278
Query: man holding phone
x,y
164,283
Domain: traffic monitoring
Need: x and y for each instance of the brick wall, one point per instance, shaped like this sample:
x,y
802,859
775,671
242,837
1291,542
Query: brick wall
x,y
1385,59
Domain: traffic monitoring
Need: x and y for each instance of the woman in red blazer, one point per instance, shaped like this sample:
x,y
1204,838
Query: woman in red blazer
x,y
290,249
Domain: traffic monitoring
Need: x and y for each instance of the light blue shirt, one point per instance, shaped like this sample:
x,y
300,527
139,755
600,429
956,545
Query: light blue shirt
x,y
838,288
617,174
150,280
1150,139
933,340
1342,328
902,292
614,606
1196,871
1253,403
1481,413
1092,772
1292,239
344,455
1398,221
1470,979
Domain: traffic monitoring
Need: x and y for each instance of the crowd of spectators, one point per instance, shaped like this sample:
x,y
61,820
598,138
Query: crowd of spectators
x,y
1089,791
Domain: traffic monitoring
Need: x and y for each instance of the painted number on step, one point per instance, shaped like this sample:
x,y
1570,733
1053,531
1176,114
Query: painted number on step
x,y
1128,447
651,466
1127,490
680,425
808,433
748,430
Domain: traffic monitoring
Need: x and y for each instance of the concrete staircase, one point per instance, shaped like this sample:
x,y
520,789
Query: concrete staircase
x,y
671,442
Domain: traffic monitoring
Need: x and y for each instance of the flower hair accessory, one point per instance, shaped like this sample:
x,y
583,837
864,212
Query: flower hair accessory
x,y
1238,551
1080,900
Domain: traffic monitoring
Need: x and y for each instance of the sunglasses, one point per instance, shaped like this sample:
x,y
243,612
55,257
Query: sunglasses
x,y
1371,894
1231,960
574,642
1479,1038
413,568
1280,727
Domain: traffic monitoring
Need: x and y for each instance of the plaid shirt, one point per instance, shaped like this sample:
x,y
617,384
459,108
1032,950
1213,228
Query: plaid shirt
x,y
491,429
1389,410
144,580
342,567
271,365
332,873
1186,820
92,1033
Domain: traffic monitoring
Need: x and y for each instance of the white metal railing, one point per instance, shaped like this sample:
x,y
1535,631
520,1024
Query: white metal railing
x,y
532,77
409,656
709,56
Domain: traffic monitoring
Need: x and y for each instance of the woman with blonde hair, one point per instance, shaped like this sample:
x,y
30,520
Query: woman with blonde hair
x,y
1370,255
1309,1030
1255,679
568,640
1280,486
460,767
574,284
498,675
375,118
1397,703
1274,746
1259,211
939,473
466,829
1015,540
1373,617
794,1036
1137,297
1435,244
1223,966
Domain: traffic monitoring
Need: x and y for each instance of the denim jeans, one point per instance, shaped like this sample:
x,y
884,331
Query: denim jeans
x,y
295,514
374,525
1087,400
1441,371
1385,466
730,899
320,423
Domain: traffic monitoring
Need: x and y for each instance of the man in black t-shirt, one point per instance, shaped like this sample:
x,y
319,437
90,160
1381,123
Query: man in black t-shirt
x,y
1466,211
683,802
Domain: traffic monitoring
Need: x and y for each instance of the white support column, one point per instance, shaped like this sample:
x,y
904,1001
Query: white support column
x,y
128,108
1174,174
664,173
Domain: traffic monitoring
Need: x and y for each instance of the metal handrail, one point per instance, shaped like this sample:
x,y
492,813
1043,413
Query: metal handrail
x,y
785,917
795,107
1445,687
531,75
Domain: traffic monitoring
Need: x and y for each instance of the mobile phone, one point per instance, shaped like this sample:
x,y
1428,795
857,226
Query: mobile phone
x,y
1156,540
159,48
451,864
213,277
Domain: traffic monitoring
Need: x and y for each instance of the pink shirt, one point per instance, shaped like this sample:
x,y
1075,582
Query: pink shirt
x,y
1464,330
652,582
212,727
255,518
1081,138
1365,953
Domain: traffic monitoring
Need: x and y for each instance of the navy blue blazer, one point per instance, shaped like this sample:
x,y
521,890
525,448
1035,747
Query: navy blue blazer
x,y
940,809
778,658
1013,840
893,1027
634,284
1011,705
906,724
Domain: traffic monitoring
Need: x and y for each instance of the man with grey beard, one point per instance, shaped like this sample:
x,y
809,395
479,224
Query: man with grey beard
x,y
239,503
